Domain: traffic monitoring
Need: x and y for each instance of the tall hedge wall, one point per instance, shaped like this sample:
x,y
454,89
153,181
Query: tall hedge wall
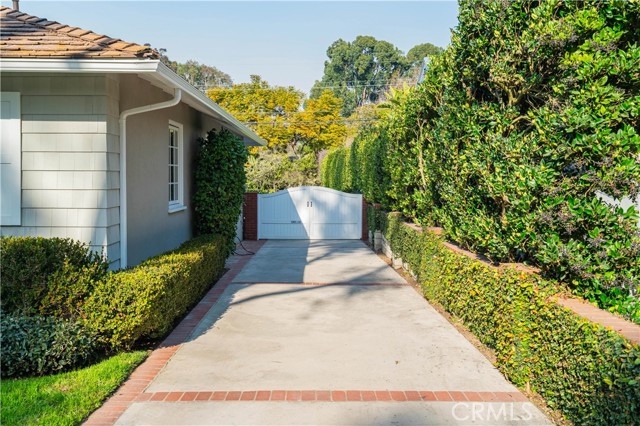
x,y
529,116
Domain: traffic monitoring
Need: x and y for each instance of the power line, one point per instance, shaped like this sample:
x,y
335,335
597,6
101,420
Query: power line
x,y
266,123
349,86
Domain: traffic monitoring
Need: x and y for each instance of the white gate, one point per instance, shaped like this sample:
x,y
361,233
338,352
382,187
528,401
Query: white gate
x,y
310,212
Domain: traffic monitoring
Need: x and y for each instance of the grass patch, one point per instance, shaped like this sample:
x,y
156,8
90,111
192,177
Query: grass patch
x,y
66,398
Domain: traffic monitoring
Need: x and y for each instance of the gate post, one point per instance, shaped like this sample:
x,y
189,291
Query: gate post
x,y
250,228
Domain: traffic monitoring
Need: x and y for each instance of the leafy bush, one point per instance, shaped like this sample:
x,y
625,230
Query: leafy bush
x,y
35,346
145,301
270,171
518,129
335,170
589,373
48,276
219,185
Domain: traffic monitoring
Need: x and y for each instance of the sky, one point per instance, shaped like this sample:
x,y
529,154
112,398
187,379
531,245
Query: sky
x,y
285,42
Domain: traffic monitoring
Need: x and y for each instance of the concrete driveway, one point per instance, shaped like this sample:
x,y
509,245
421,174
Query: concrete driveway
x,y
325,333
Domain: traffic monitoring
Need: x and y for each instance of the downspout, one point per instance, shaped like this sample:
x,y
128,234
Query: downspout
x,y
123,165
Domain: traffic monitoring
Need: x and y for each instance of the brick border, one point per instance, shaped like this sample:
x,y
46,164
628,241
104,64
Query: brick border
x,y
599,316
142,376
333,396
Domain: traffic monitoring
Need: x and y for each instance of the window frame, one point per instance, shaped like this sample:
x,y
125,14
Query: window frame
x,y
11,159
177,204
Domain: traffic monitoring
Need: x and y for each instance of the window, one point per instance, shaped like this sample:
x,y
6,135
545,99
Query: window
x,y
176,181
10,151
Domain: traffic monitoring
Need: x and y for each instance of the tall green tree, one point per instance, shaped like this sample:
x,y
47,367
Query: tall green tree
x,y
276,114
200,75
425,50
203,76
269,110
358,72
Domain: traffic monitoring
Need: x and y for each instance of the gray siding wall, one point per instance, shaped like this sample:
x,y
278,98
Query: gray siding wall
x,y
70,158
151,228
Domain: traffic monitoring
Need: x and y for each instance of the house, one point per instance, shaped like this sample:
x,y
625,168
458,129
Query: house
x,y
98,139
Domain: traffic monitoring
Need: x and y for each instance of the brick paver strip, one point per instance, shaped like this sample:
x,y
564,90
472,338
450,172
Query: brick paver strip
x,y
278,395
337,396
132,390
218,396
248,396
233,396
263,396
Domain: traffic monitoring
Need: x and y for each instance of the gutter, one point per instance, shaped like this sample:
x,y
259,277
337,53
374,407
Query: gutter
x,y
163,75
123,165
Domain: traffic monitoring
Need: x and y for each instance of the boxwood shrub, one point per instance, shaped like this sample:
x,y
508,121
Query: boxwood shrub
x,y
145,301
587,372
35,346
47,276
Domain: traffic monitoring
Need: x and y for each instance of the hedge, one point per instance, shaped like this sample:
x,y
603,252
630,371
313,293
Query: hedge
x,y
47,276
334,170
588,373
145,301
219,185
516,132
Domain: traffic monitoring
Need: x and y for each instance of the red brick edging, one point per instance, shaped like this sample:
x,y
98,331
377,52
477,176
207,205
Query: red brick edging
x,y
334,396
142,376
599,316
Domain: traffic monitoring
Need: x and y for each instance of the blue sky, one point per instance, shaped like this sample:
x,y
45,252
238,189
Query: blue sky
x,y
284,42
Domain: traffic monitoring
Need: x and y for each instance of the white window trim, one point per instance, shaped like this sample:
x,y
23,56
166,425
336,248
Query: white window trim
x,y
11,158
177,206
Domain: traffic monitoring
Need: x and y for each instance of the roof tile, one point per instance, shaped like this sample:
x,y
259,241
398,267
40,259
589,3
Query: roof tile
x,y
26,36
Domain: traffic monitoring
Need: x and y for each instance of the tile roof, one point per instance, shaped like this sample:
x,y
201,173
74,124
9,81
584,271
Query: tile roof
x,y
26,36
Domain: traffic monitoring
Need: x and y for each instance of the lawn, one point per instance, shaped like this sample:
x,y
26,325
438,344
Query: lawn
x,y
66,398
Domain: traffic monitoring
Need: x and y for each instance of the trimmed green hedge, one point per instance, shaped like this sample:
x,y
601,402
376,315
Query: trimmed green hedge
x,y
145,301
47,276
334,170
590,374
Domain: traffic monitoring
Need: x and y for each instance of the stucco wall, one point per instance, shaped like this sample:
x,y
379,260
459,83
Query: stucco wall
x,y
70,156
151,228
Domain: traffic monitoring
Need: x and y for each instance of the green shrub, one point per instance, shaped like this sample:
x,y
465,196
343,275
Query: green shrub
x,y
145,301
219,185
335,170
269,171
47,276
516,131
589,373
35,346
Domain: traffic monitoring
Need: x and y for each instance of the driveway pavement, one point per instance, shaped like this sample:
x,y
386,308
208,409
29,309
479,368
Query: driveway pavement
x,y
320,333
